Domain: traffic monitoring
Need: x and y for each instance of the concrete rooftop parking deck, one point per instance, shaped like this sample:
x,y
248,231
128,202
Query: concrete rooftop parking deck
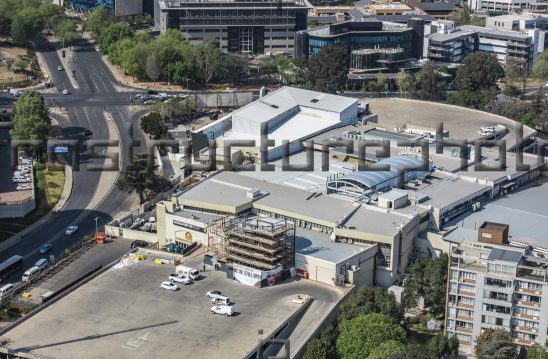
x,y
123,313
462,123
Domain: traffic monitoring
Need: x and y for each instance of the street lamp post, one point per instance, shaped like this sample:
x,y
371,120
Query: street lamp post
x,y
96,228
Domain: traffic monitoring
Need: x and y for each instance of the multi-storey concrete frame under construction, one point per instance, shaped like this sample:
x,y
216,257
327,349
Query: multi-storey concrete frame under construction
x,y
261,243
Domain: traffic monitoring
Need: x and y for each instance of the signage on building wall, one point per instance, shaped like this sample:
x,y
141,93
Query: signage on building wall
x,y
246,275
189,226
255,277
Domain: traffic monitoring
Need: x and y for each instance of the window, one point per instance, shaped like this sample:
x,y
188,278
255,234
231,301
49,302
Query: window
x,y
496,308
495,295
527,311
486,235
501,269
498,282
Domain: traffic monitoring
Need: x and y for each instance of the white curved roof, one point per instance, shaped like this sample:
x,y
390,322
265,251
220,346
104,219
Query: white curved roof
x,y
397,164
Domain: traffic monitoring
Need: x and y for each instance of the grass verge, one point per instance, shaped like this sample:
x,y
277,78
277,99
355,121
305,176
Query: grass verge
x,y
48,189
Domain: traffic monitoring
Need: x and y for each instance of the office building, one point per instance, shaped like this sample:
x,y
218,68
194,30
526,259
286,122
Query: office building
x,y
119,7
495,285
244,26
507,46
357,35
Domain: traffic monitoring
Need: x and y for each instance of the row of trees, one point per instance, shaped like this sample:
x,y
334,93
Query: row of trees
x,y
30,117
168,57
370,326
23,19
477,87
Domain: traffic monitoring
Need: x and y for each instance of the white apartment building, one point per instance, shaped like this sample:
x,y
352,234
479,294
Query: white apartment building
x,y
504,5
494,285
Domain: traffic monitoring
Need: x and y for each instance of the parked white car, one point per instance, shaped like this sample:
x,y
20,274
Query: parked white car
x,y
71,230
167,285
214,294
180,279
222,299
227,310
24,187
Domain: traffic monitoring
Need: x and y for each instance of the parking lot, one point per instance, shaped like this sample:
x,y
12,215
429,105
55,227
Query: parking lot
x,y
123,313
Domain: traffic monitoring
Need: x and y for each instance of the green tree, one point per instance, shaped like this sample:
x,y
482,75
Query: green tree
x,y
386,349
472,99
537,352
30,120
154,124
285,69
99,20
133,60
479,71
380,84
361,335
429,83
209,60
327,71
540,68
441,347
463,16
495,344
66,31
112,34
368,300
140,177
26,23
412,352
182,72
404,81
50,12
153,66
322,347
427,278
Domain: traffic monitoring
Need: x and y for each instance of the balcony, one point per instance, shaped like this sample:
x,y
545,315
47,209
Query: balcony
x,y
468,281
528,304
466,293
529,291
525,316
523,342
465,318
464,330
528,330
465,305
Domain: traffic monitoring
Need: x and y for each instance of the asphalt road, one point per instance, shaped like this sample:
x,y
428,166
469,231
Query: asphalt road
x,y
85,107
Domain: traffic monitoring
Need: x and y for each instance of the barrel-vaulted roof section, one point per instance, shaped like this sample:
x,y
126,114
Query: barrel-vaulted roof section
x,y
374,178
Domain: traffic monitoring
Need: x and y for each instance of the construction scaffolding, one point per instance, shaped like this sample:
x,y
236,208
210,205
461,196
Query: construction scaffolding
x,y
260,243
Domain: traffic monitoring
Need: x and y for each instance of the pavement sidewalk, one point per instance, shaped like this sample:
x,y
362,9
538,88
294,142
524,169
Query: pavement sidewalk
x,y
65,195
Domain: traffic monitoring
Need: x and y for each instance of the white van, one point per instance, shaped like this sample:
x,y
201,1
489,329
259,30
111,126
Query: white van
x,y
6,290
227,310
30,273
184,271
41,263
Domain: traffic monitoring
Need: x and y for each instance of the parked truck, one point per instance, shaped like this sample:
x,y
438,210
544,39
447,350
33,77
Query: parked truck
x,y
184,271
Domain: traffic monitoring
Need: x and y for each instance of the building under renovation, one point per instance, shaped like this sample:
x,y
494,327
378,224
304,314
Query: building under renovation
x,y
261,243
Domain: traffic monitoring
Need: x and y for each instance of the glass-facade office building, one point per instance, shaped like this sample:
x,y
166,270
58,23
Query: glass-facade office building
x,y
356,36
91,4
242,26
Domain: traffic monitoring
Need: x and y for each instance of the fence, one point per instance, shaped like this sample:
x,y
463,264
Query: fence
x,y
14,84
222,99
48,272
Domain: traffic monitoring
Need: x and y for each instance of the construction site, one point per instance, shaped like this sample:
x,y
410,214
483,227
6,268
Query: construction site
x,y
254,247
